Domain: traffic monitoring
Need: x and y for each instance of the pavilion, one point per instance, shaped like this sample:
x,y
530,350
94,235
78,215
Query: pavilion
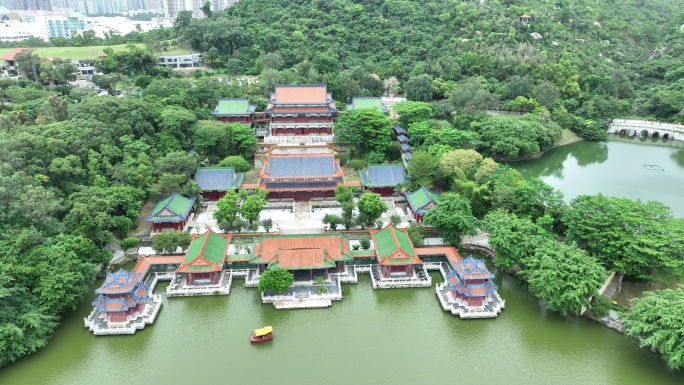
x,y
234,110
215,181
204,259
301,177
383,178
306,256
171,213
122,296
421,201
470,283
395,253
301,110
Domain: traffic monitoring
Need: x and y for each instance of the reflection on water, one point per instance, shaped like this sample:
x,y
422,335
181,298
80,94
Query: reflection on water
x,y
616,168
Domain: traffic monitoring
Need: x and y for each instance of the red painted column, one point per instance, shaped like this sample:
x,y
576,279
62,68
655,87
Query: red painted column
x,y
186,279
326,273
311,274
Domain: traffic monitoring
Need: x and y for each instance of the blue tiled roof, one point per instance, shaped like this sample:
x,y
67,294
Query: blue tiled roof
x,y
403,138
405,147
218,178
383,175
301,166
407,155
399,130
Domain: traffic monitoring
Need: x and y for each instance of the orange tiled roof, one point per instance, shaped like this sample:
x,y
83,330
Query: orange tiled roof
x,y
301,94
12,55
268,247
291,258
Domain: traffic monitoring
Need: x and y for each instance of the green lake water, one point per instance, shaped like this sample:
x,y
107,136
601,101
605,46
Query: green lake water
x,y
399,336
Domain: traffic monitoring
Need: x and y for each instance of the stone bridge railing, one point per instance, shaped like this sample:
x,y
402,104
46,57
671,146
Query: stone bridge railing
x,y
652,129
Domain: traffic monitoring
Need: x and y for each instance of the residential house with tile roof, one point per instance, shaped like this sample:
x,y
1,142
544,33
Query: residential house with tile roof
x,y
365,102
305,256
204,259
394,252
301,177
234,110
171,213
215,181
301,110
382,178
470,283
122,296
10,60
421,201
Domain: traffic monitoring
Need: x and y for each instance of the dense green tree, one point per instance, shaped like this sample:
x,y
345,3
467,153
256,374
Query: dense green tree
x,y
253,205
564,276
363,131
371,206
512,136
453,218
275,279
170,241
227,209
423,168
419,88
657,320
412,112
345,196
237,162
640,239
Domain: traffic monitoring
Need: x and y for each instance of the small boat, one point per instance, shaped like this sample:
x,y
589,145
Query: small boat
x,y
261,335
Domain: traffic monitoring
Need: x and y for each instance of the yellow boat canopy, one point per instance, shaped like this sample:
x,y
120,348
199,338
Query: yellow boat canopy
x,y
263,331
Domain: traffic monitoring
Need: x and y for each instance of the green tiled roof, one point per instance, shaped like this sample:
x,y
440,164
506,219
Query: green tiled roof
x,y
211,246
399,261
367,103
421,197
238,257
232,107
172,209
390,240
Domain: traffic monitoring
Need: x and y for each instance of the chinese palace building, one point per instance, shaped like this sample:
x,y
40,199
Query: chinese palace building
x,y
200,273
171,213
125,304
301,177
234,110
382,178
305,256
215,181
471,292
397,259
364,102
420,202
301,110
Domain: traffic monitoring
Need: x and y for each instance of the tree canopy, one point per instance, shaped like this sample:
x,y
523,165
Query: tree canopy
x,y
275,279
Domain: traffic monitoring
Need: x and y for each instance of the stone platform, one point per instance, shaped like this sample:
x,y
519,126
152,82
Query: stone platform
x,y
302,304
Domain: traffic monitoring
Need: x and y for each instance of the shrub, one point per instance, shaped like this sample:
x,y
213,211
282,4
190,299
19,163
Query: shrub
x,y
416,233
355,246
343,158
365,242
600,306
356,164
395,219
267,224
332,220
379,224
129,243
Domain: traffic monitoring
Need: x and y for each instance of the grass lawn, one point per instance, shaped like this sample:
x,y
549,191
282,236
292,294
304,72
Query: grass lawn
x,y
93,52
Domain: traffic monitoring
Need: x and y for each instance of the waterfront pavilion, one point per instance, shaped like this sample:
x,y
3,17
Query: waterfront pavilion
x,y
395,253
305,256
204,259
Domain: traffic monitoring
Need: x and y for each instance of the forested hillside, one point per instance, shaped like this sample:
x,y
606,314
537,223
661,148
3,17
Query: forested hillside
x,y
620,57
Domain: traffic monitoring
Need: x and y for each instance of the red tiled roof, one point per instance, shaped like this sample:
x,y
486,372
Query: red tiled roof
x,y
301,94
12,55
525,16
291,258
268,247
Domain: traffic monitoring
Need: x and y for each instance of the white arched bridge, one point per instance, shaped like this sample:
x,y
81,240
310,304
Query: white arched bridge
x,y
646,128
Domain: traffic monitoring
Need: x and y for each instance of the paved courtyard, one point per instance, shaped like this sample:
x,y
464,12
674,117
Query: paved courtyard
x,y
304,217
